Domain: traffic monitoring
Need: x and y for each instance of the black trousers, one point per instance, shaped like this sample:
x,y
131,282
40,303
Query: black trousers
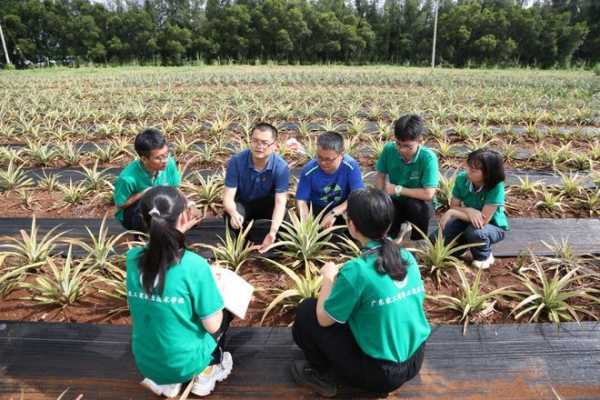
x,y
132,218
220,337
260,211
417,212
334,349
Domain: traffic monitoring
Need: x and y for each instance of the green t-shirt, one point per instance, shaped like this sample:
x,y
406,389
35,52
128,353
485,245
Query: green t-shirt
x,y
169,343
135,178
385,316
421,172
470,197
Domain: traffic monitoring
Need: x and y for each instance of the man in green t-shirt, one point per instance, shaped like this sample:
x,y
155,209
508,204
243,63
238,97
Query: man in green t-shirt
x,y
155,167
413,174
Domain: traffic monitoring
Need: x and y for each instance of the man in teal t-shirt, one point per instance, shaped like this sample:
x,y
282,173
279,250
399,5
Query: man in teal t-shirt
x,y
153,168
169,343
413,174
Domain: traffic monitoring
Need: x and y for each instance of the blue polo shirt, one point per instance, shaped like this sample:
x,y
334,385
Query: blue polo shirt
x,y
322,190
252,184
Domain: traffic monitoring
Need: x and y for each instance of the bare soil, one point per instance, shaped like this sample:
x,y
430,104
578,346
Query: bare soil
x,y
96,308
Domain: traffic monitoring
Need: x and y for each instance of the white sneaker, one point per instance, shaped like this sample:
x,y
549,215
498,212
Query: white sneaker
x,y
204,383
171,390
485,264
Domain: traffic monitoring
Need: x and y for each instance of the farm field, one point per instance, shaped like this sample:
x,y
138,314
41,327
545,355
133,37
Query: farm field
x,y
65,134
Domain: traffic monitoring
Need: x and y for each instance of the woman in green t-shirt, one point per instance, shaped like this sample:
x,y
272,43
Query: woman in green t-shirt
x,y
175,305
476,213
368,328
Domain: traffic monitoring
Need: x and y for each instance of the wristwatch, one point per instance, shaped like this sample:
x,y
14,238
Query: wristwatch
x,y
398,189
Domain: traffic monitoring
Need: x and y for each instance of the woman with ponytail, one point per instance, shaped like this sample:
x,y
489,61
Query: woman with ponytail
x,y
368,328
175,305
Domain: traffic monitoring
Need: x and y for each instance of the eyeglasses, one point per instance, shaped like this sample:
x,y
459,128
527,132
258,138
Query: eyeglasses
x,y
261,143
160,158
327,160
405,146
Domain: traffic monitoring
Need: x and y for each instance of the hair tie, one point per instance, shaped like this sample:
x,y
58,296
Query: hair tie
x,y
154,212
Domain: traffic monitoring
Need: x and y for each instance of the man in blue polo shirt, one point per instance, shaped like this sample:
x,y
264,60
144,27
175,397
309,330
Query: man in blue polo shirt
x,y
256,185
326,181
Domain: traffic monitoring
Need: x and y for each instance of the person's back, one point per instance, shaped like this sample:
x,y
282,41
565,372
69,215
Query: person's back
x,y
393,310
174,302
368,327
169,342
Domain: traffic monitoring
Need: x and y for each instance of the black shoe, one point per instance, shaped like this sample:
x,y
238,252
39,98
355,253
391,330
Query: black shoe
x,y
305,375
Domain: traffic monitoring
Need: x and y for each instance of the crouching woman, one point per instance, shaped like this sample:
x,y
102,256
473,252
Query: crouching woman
x,y
368,328
176,308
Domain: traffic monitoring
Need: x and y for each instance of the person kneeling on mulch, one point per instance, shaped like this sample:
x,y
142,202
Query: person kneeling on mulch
x,y
155,167
368,328
178,321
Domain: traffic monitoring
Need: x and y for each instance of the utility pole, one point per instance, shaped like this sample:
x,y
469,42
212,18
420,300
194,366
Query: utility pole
x,y
4,46
436,5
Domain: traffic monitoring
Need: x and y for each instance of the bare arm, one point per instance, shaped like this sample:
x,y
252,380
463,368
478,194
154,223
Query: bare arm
x,y
380,181
341,208
330,217
302,209
237,220
213,322
131,200
278,212
276,220
477,218
425,194
323,318
229,200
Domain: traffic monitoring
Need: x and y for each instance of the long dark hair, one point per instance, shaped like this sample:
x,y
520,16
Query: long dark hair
x,y
160,208
490,163
372,213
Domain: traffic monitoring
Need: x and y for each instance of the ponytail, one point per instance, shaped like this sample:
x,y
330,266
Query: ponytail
x,y
372,213
160,208
389,260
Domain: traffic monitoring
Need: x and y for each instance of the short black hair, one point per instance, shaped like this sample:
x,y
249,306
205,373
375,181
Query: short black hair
x,y
409,127
150,139
490,163
331,140
265,126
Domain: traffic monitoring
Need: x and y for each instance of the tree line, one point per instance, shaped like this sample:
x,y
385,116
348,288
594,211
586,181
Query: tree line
x,y
547,33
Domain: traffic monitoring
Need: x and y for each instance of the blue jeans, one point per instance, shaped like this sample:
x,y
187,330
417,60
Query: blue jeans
x,y
489,235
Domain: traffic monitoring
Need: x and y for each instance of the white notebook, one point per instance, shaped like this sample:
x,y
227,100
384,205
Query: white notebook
x,y
236,292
